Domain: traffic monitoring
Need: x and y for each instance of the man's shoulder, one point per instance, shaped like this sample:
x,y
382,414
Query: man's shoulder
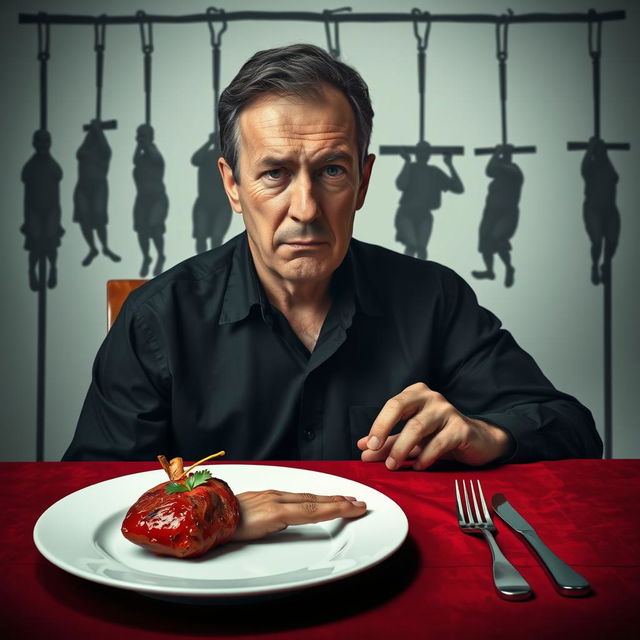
x,y
385,265
406,284
199,272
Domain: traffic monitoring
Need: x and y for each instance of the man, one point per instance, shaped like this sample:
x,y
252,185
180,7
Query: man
x,y
211,210
600,212
294,340
422,186
151,205
42,226
91,194
501,212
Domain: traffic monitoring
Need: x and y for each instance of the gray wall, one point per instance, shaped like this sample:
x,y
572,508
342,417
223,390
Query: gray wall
x,y
553,309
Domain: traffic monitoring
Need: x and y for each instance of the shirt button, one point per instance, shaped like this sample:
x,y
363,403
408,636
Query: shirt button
x,y
309,434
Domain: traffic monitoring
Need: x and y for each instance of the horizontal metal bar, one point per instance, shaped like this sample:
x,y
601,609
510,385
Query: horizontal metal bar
x,y
581,146
308,16
487,151
105,125
434,150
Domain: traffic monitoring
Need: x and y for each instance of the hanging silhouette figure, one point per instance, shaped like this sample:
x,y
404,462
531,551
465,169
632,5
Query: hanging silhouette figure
x,y
151,205
500,216
601,215
91,194
501,210
211,210
41,176
422,185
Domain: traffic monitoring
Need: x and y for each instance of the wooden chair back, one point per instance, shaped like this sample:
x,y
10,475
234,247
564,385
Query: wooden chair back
x,y
117,292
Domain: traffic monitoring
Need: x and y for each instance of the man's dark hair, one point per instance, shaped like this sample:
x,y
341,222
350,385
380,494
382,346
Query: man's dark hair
x,y
298,69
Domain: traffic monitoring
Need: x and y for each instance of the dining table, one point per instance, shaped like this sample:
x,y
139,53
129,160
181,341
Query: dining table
x,y
436,584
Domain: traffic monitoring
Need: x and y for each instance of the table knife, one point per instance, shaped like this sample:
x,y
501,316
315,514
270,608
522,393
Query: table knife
x,y
567,581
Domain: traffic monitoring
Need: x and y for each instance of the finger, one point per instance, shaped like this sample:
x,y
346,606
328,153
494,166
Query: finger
x,y
287,497
375,455
312,512
369,455
400,407
442,443
416,432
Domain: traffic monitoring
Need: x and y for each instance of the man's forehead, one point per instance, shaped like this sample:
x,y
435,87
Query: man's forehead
x,y
326,111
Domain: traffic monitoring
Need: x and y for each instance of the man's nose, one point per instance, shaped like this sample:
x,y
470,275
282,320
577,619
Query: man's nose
x,y
303,206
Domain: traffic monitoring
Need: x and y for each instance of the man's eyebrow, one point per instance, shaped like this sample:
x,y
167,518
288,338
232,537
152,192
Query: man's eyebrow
x,y
278,161
271,161
338,156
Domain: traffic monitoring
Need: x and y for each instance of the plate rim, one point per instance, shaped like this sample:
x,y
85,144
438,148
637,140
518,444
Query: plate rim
x,y
241,592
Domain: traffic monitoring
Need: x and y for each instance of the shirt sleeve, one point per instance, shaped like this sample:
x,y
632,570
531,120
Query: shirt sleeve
x,y
126,413
485,374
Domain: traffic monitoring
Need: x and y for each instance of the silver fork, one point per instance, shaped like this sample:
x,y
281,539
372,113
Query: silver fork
x,y
508,582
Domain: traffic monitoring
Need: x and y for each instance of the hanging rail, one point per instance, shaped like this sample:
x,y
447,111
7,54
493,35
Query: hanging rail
x,y
308,16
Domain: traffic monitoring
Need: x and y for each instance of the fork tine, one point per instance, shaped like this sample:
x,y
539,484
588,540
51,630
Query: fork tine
x,y
466,499
487,515
477,512
459,509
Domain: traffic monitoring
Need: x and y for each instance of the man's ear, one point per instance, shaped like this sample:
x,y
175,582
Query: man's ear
x,y
230,185
364,180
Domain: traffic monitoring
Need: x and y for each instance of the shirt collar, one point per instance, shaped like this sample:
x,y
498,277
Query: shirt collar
x,y
244,290
366,297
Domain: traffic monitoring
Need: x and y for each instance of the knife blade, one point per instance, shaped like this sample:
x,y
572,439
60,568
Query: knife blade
x,y
567,581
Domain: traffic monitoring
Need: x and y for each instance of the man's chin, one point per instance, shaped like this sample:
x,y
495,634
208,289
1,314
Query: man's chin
x,y
303,268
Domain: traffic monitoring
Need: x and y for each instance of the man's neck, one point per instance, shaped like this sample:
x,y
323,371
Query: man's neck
x,y
304,304
293,298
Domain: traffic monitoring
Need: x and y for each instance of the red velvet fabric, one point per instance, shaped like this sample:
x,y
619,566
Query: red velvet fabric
x,y
437,585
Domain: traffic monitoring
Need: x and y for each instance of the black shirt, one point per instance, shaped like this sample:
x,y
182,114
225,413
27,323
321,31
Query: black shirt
x,y
198,360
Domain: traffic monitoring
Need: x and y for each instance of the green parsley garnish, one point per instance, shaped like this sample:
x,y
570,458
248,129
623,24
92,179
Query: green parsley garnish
x,y
194,480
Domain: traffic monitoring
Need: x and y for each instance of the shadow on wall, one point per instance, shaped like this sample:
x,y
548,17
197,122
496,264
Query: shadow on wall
x,y
422,186
42,226
211,210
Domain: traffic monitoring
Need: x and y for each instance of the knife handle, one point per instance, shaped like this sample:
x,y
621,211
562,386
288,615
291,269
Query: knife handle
x,y
567,581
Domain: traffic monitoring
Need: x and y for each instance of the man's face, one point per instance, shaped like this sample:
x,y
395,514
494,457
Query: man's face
x,y
299,184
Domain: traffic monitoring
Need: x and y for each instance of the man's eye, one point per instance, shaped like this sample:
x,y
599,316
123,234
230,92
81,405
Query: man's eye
x,y
274,174
334,170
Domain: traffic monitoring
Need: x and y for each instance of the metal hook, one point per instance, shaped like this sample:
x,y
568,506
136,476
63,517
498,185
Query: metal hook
x,y
146,37
502,33
99,30
423,41
43,36
215,39
333,43
594,25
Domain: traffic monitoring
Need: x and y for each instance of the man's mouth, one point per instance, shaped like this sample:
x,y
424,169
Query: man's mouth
x,y
304,243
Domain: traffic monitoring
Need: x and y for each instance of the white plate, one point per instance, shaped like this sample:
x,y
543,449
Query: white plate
x,y
81,534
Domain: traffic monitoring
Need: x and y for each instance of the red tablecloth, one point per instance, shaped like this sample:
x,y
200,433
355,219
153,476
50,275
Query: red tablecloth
x,y
437,585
